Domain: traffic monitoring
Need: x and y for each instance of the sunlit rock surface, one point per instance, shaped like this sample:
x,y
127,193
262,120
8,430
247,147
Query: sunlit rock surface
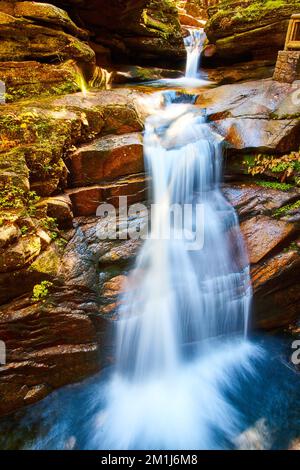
x,y
249,29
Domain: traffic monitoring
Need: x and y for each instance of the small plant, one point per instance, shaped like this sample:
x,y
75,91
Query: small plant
x,y
292,247
282,167
282,211
24,230
274,185
41,291
61,242
50,224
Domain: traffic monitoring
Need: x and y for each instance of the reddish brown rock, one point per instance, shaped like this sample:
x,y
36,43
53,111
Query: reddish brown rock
x,y
47,346
60,208
276,290
86,200
262,234
251,199
111,291
106,159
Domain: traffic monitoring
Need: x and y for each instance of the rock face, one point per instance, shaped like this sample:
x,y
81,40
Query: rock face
x,y
61,157
106,159
132,29
249,29
43,52
47,347
272,239
255,118
53,338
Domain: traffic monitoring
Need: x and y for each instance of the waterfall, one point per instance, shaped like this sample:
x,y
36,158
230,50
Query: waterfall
x,y
183,322
194,46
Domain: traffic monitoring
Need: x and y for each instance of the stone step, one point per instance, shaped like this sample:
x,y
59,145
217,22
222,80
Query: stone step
x,y
106,159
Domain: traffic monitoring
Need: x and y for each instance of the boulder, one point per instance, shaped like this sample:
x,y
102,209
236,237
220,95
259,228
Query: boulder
x,y
276,291
47,346
256,99
85,200
22,39
135,29
249,29
137,74
26,79
241,72
106,159
47,13
245,115
262,234
259,135
251,199
60,208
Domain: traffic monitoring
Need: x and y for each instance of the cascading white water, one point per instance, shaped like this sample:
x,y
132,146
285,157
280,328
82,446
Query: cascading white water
x,y
168,389
194,45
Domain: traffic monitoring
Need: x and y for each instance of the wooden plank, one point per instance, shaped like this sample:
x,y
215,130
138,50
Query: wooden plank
x,y
288,36
293,45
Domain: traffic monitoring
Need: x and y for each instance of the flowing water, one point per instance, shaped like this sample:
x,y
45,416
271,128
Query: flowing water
x,y
190,285
194,45
184,361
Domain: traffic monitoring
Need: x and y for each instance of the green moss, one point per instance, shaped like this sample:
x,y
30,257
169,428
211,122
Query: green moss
x,y
285,210
13,197
47,263
237,16
24,230
41,291
292,247
275,185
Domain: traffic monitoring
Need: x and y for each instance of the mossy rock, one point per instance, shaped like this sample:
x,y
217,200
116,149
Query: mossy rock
x,y
254,28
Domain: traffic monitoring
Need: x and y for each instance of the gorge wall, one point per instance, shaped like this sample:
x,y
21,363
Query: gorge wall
x,y
64,151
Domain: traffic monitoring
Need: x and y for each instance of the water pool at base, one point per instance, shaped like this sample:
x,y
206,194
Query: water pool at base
x,y
253,406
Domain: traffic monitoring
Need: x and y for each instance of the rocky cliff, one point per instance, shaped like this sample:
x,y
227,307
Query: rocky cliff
x,y
63,152
249,29
136,30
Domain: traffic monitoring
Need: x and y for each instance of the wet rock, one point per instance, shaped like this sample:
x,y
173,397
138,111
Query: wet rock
x,y
247,71
258,99
262,234
136,74
259,135
85,200
244,115
107,158
251,199
188,20
47,347
276,292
